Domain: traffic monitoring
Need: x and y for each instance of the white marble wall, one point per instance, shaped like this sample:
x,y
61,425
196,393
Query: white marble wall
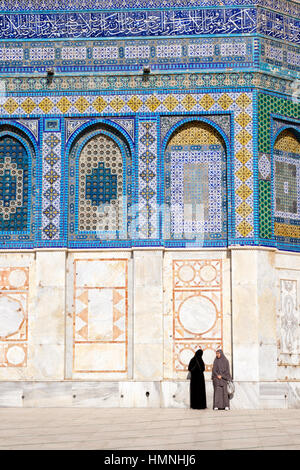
x,y
117,328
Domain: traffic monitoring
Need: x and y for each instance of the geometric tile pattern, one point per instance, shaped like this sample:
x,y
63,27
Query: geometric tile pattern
x,y
237,103
195,184
62,5
100,167
287,184
265,227
13,316
274,113
98,24
114,55
51,186
197,310
148,179
14,185
100,185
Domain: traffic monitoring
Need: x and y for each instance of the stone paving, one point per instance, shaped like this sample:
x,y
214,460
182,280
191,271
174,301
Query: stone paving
x,y
147,429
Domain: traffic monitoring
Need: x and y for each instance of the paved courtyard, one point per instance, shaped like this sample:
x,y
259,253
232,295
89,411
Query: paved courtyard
x,y
147,429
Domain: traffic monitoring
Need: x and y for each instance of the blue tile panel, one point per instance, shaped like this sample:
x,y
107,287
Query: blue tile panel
x,y
130,55
284,6
14,180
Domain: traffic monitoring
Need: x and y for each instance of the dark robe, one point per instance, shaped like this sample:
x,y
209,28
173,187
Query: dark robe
x,y
221,367
197,385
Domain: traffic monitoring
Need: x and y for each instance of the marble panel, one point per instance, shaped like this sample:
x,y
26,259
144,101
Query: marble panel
x,y
148,315
139,394
47,394
11,394
95,394
246,396
104,273
148,361
100,357
245,321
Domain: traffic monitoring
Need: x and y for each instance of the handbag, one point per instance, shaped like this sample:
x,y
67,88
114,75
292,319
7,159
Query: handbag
x,y
230,389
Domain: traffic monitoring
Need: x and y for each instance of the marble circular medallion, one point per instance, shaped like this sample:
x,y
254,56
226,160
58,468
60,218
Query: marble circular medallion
x,y
185,356
186,273
15,355
11,316
208,273
17,278
197,314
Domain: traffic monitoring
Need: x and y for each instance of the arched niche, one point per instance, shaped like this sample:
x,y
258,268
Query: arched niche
x,y
100,184
195,193
15,180
287,175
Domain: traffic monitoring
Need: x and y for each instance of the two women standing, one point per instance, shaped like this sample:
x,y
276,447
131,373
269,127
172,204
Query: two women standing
x,y
220,376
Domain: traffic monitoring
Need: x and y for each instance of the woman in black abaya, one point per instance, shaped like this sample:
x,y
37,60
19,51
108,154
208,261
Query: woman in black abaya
x,y
197,386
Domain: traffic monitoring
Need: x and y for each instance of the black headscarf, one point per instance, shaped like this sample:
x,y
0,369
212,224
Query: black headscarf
x,y
198,356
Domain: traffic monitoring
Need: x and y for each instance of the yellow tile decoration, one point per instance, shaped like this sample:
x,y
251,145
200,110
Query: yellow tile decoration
x,y
189,102
46,105
10,106
134,103
244,228
117,103
244,173
287,141
207,102
153,103
243,155
244,210
99,104
81,104
286,230
243,101
195,133
243,137
28,105
243,119
225,101
64,105
170,103
244,191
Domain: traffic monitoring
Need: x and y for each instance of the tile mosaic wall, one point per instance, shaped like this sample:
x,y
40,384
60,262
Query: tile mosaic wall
x,y
284,6
172,82
140,110
287,186
100,187
114,55
229,111
278,182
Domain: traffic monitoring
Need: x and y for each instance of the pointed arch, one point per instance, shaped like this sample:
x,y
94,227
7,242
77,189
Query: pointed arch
x,y
100,185
16,153
286,153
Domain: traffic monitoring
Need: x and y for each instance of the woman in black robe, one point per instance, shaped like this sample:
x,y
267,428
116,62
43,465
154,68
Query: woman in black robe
x,y
197,386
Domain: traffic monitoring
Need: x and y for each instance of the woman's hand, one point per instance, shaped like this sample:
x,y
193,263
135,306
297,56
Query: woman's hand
x,y
219,377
